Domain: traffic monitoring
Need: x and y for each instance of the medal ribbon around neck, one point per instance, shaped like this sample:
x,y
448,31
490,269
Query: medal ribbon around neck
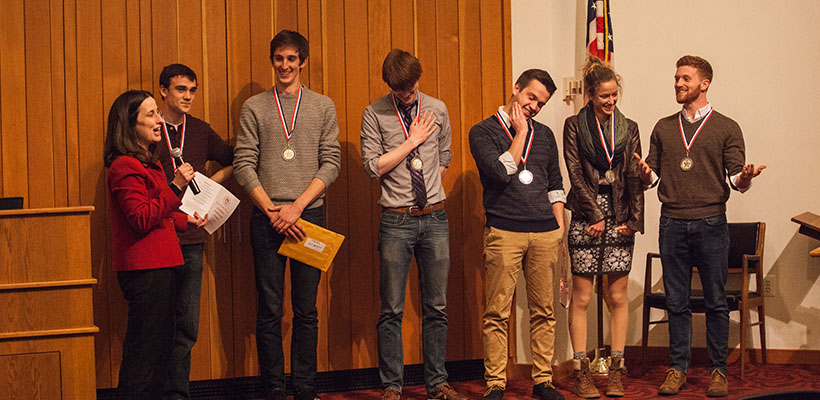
x,y
527,146
688,145
288,132
181,138
609,156
404,128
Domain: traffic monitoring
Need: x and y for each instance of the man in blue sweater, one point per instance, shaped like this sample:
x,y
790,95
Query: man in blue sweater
x,y
517,161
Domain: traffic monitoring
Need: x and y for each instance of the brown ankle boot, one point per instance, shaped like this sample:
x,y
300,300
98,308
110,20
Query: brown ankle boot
x,y
584,384
614,388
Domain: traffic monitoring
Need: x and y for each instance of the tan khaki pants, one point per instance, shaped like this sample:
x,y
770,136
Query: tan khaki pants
x,y
504,254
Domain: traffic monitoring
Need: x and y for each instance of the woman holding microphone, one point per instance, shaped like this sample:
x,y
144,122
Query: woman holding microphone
x,y
144,214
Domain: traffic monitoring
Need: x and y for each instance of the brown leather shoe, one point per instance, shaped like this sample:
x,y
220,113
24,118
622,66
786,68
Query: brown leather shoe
x,y
391,394
675,381
718,386
584,386
445,392
614,388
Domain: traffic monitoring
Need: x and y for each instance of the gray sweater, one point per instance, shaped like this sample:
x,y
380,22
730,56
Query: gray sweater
x,y
261,140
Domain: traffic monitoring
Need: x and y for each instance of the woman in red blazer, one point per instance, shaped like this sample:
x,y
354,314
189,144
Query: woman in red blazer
x,y
144,219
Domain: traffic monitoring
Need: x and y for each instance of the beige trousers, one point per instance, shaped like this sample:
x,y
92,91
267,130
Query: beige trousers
x,y
505,253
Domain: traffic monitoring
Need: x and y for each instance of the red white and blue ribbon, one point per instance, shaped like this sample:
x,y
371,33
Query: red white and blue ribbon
x,y
688,144
527,146
609,155
288,132
405,128
181,138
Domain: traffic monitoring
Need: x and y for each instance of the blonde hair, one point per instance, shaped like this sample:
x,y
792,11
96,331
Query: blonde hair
x,y
597,72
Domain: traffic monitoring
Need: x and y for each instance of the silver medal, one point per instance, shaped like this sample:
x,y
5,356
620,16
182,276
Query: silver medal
x,y
525,176
288,154
416,163
686,163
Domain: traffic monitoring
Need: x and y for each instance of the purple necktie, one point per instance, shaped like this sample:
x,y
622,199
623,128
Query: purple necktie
x,y
416,177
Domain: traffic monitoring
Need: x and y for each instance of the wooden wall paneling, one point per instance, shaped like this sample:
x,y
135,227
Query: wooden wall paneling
x,y
165,38
286,17
115,82
146,45
507,31
333,69
473,213
90,114
360,208
378,27
244,291
492,60
447,40
402,25
12,106
70,101
190,45
58,116
132,44
190,48
310,25
425,50
219,277
38,112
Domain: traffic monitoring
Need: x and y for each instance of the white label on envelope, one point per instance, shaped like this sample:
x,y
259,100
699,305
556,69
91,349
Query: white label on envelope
x,y
315,245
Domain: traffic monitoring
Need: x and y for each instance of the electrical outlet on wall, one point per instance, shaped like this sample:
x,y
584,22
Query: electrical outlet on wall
x,y
768,286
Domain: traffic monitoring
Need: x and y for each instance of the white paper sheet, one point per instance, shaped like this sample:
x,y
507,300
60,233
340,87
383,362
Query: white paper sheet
x,y
213,199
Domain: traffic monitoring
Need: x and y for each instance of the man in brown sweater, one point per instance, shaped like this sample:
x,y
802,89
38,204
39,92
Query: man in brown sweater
x,y
691,153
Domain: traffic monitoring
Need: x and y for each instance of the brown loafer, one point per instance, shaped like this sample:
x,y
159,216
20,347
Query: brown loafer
x,y
718,386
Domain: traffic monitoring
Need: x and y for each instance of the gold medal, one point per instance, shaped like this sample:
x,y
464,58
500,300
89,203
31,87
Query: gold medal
x,y
288,154
416,163
609,175
686,163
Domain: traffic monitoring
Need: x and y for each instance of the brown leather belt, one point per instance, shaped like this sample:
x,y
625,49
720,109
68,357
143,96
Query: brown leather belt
x,y
415,211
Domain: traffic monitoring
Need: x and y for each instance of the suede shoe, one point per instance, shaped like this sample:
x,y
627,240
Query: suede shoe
x,y
584,385
675,381
614,387
391,394
718,386
494,392
445,392
545,391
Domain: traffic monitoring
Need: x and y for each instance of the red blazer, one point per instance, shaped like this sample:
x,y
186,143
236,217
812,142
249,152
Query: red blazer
x,y
144,216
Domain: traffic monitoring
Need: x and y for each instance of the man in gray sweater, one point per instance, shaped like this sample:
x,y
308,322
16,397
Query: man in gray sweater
x,y
287,153
691,155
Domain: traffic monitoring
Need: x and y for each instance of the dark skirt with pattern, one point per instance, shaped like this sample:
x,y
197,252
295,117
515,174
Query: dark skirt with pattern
x,y
611,253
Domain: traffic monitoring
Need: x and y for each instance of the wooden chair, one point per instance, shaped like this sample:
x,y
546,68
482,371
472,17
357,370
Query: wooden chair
x,y
745,258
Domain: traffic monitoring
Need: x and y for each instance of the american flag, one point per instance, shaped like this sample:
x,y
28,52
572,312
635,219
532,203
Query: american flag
x,y
599,29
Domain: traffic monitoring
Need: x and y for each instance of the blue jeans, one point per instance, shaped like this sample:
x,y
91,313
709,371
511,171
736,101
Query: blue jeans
x,y
400,237
269,267
703,243
188,279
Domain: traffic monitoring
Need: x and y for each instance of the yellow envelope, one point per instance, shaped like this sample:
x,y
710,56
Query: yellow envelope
x,y
317,249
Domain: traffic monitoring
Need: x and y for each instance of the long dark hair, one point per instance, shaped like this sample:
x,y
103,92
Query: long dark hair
x,y
121,137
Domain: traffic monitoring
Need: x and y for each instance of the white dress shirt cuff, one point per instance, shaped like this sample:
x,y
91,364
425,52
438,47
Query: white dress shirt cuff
x,y
557,196
507,159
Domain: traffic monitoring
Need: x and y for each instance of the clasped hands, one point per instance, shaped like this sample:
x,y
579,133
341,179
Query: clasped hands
x,y
284,219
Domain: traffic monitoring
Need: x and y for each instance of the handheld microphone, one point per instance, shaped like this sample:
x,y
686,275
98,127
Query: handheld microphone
x,y
177,153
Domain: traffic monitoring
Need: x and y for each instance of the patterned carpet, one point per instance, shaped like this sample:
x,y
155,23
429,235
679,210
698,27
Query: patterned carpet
x,y
759,379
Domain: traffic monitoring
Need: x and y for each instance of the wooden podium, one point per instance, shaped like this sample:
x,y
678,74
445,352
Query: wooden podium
x,y
46,314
